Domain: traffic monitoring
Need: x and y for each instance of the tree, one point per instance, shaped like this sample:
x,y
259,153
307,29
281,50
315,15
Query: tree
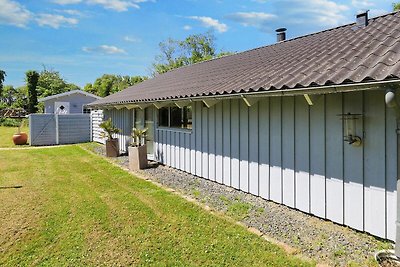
x,y
109,84
51,83
193,49
32,78
8,95
2,78
396,6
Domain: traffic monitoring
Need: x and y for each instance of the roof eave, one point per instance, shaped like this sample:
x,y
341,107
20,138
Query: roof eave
x,y
327,89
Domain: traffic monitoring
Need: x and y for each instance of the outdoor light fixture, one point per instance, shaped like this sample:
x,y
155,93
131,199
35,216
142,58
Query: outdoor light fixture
x,y
350,128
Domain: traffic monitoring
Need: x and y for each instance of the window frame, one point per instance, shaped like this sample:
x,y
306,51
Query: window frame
x,y
176,128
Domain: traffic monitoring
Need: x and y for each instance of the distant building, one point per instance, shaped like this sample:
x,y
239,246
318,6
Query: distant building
x,y
72,102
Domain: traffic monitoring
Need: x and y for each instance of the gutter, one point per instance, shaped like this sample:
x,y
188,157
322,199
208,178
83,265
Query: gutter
x,y
329,89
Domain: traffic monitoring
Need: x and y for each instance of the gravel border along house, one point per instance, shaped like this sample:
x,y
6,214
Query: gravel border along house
x,y
310,122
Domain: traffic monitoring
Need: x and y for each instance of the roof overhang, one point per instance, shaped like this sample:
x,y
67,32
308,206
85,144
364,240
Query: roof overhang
x,y
252,97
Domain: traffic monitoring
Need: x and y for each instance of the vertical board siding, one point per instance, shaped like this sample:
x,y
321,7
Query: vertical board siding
x,y
264,147
275,189
226,150
254,144
193,141
204,143
302,148
334,159
374,165
97,118
187,153
211,144
288,152
317,158
198,131
243,146
353,168
219,135
235,143
284,150
391,174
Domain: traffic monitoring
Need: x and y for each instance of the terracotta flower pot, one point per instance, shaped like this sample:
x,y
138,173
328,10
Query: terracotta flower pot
x,y
112,148
137,157
20,139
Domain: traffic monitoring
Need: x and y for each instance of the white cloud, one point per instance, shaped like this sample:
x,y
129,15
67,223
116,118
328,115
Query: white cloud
x,y
104,49
66,2
260,1
256,19
211,23
13,13
132,39
187,27
324,12
55,21
362,3
116,5
71,12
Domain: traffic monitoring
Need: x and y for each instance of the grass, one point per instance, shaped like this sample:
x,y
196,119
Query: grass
x,y
77,209
6,134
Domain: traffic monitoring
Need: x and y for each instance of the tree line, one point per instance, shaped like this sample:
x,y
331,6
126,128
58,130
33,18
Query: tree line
x,y
173,54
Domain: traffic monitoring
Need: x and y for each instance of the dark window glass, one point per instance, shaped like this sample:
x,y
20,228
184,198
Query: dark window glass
x,y
163,117
176,117
86,111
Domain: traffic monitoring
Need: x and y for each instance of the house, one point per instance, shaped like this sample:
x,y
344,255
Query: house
x,y
310,122
71,102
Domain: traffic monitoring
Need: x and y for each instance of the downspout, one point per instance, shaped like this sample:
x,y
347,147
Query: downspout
x,y
390,99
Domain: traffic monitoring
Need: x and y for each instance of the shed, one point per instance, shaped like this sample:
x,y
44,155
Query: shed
x,y
310,122
71,102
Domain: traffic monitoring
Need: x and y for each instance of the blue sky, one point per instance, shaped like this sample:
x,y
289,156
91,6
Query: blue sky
x,y
83,39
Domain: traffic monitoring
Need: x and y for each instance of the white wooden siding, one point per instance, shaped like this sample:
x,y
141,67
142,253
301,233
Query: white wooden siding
x,y
97,118
286,151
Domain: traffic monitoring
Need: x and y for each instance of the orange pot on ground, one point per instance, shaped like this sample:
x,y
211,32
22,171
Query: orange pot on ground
x,y
20,139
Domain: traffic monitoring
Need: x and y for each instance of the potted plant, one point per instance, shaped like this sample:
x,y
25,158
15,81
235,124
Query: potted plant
x,y
112,146
138,150
20,138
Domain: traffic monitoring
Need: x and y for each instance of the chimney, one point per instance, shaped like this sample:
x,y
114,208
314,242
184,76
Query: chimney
x,y
280,34
362,19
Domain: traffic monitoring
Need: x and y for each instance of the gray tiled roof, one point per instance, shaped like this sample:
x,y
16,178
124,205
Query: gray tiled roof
x,y
343,55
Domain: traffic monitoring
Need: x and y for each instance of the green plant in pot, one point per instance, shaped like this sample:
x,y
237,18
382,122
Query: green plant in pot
x,y
138,150
112,146
20,138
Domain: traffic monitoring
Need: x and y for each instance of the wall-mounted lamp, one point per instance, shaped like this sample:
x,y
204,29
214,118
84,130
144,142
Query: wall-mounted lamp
x,y
350,128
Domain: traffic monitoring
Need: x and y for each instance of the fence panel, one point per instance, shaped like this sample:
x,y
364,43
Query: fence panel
x,y
52,129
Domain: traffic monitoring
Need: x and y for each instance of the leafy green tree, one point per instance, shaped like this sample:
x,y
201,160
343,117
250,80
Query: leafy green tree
x,y
396,6
109,84
32,78
193,49
8,95
21,98
51,83
2,78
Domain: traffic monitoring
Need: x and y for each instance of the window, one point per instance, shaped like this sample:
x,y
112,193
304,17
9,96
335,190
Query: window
x,y
86,111
175,117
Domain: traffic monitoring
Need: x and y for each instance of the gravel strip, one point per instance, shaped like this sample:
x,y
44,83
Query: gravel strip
x,y
316,238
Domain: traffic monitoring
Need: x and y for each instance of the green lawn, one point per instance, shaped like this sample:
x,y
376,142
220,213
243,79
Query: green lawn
x,y
74,208
6,134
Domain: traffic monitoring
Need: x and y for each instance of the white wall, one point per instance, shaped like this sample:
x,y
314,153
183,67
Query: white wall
x,y
286,151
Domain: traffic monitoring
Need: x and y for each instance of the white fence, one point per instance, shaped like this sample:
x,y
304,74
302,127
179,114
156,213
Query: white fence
x,y
53,129
97,118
